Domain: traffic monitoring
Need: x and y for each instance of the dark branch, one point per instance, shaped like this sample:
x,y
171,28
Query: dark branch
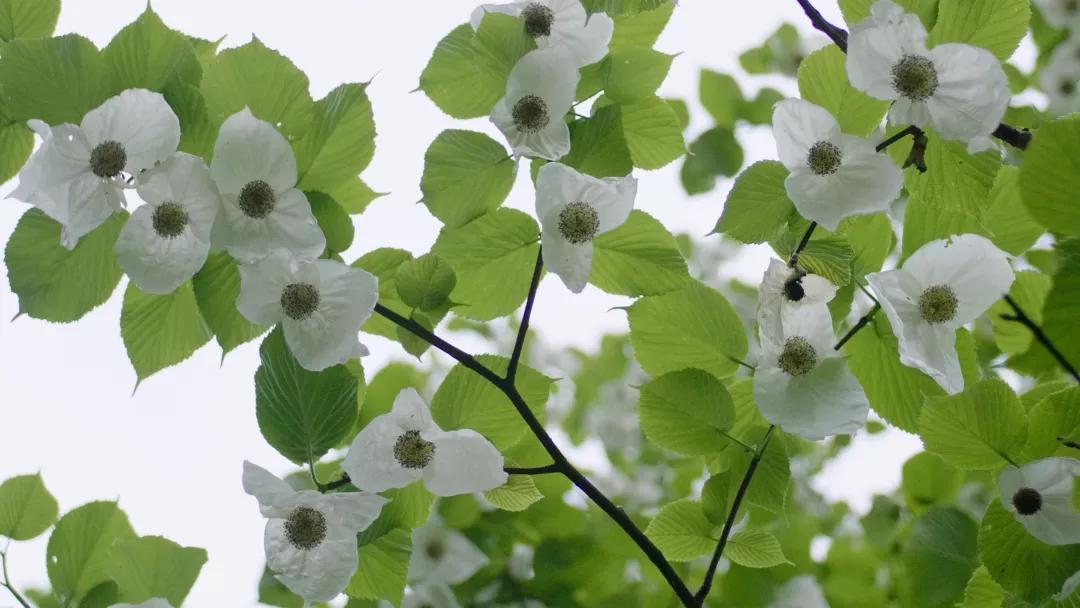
x,y
1022,318
794,259
551,468
519,343
861,323
333,485
910,130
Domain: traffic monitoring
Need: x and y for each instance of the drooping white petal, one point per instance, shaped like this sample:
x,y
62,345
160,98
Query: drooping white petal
x,y
411,412
825,401
797,126
877,43
551,76
464,462
139,120
585,36
261,286
1056,522
371,463
249,149
510,8
571,262
319,574
442,555
972,93
976,270
612,198
265,486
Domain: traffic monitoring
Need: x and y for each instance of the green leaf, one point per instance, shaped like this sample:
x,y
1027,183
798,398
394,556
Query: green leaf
x,y
643,27
383,263
28,18
715,152
197,133
755,549
980,428
996,25
493,257
148,55
425,282
682,532
102,596
781,52
79,546
1007,219
263,80
161,331
466,174
927,480
924,222
465,400
652,132
721,96
57,80
26,508
692,327
982,591
413,344
517,494
634,73
871,239
1029,290
333,220
1050,175
769,488
302,414
717,496
940,556
152,566
216,287
354,195
384,566
827,254
597,145
16,144
823,80
340,142
1055,418
638,258
1018,561
687,411
1060,315
757,208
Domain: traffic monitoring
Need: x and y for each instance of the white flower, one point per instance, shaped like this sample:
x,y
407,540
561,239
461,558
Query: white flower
x,y
166,241
1040,495
573,209
799,592
562,24
785,289
958,89
398,448
429,596
801,383
321,305
833,175
76,176
1060,77
539,92
156,602
442,555
940,288
255,171
1060,13
310,538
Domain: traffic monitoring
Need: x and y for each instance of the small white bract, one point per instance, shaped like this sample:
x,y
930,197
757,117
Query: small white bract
x,y
443,556
1060,77
1064,14
561,24
166,241
958,89
78,175
1040,495
941,287
539,92
262,210
785,289
799,592
156,602
406,445
429,596
310,538
832,175
574,209
321,305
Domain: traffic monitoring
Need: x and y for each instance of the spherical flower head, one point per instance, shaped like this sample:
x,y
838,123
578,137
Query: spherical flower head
x,y
321,305
959,90
443,556
558,24
255,171
310,538
832,175
79,174
574,209
944,285
1040,494
539,91
405,445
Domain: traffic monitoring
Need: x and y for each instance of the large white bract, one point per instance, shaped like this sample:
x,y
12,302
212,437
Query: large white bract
x,y
443,556
784,290
1040,495
560,24
539,93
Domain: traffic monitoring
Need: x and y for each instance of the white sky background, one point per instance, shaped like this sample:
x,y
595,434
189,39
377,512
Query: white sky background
x,y
172,452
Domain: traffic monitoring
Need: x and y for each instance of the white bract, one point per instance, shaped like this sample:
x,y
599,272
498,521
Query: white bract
x,y
785,289
561,24
1040,495
78,175
427,596
321,305
958,89
944,285
539,92
310,538
1060,77
156,602
262,210
801,383
832,175
166,241
442,555
799,592
573,209
406,445
1060,13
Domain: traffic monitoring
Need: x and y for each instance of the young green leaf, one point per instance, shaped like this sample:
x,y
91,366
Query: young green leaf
x,y
340,142
28,18
79,547
755,549
823,80
682,532
26,508
639,257
687,411
983,427
152,566
757,208
161,331
1022,564
466,174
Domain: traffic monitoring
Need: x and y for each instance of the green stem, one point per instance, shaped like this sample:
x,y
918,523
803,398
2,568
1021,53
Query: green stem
x,y
7,581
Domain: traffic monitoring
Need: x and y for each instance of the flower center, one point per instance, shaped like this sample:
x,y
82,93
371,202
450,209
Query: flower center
x,y
824,158
579,222
1027,501
798,357
793,289
938,304
538,19
1070,6
257,199
108,159
412,452
169,220
435,550
299,300
1067,87
915,77
305,528
530,114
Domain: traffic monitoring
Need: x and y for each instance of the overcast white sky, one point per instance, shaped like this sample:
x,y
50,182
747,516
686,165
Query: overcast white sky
x,y
172,452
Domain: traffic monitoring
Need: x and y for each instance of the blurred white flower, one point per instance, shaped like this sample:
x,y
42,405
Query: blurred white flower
x,y
799,592
561,24
443,556
1040,495
1060,13
1060,77
539,93
428,596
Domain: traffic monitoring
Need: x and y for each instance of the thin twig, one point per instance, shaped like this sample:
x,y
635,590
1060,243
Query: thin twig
x,y
7,581
861,323
794,259
337,483
519,342
1022,318
909,130
551,468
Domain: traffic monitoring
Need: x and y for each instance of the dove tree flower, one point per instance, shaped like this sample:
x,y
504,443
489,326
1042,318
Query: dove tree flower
x,y
573,209
539,92
310,538
561,24
1060,13
784,289
321,305
78,175
166,241
832,175
262,210
443,556
1060,77
944,285
406,445
1040,495
958,89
